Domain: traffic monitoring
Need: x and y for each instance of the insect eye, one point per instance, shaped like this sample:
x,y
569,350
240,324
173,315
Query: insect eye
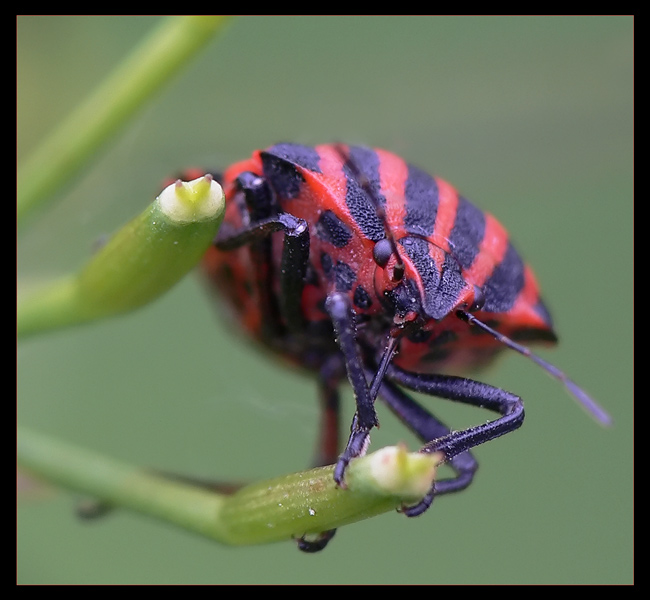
x,y
479,299
382,252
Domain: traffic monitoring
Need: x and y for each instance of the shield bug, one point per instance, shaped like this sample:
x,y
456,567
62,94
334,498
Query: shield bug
x,y
358,266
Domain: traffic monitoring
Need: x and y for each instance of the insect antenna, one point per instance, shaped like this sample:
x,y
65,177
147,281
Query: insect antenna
x,y
368,190
576,391
387,357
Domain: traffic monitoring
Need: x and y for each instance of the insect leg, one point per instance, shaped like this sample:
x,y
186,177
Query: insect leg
x,y
295,258
317,544
428,428
340,310
327,451
330,377
467,391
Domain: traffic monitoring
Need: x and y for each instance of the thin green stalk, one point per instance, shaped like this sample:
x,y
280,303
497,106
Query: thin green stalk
x,y
269,511
75,142
138,264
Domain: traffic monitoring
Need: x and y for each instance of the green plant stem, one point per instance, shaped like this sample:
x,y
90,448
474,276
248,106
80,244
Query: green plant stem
x,y
75,142
51,307
139,263
143,260
274,510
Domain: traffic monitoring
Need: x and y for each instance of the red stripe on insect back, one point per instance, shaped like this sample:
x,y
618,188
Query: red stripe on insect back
x,y
393,173
447,208
446,216
328,191
523,312
329,186
332,185
492,250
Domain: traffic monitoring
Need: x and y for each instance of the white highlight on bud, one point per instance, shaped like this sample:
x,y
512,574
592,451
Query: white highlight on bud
x,y
403,473
191,201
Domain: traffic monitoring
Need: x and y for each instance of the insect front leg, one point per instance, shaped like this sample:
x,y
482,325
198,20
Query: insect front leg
x,y
428,428
295,258
455,445
339,308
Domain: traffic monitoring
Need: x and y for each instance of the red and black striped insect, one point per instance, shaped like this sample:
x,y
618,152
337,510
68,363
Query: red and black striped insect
x,y
352,263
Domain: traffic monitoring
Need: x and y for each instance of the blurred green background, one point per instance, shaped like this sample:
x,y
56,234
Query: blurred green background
x,y
531,118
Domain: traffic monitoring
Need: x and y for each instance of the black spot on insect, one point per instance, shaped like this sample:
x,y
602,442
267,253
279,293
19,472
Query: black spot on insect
x,y
419,336
227,275
326,263
331,229
311,275
437,355
444,337
362,298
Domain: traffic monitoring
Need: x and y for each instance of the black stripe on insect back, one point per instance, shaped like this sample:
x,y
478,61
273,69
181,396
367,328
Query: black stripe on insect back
x,y
361,207
279,163
421,194
303,156
467,233
441,289
507,280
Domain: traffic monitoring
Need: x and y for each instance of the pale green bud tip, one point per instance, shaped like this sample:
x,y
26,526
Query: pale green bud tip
x,y
403,473
191,201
